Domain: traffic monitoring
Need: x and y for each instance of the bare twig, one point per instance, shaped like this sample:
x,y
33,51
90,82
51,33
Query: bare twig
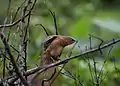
x,y
8,9
18,10
70,75
4,61
7,47
43,68
43,29
17,21
90,37
55,22
101,71
46,80
95,73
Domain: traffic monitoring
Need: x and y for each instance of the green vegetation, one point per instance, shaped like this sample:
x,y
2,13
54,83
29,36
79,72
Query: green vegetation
x,y
76,18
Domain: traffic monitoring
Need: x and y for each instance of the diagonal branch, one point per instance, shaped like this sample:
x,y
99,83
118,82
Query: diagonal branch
x,y
43,68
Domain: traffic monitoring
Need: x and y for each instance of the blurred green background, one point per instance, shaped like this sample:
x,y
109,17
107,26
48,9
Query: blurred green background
x,y
76,18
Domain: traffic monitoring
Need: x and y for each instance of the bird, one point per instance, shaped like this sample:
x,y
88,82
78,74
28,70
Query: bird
x,y
52,48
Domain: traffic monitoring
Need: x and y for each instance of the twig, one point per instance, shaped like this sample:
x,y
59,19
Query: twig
x,y
7,47
46,80
14,48
43,68
18,10
43,28
55,22
90,69
96,38
8,8
56,75
17,21
95,72
70,75
101,71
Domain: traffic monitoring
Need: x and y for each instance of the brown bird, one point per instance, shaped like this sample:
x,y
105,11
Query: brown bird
x,y
53,47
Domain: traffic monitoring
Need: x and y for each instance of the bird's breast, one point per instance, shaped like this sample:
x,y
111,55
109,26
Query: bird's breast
x,y
56,51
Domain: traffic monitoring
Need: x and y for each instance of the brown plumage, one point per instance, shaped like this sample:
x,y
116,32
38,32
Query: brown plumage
x,y
53,46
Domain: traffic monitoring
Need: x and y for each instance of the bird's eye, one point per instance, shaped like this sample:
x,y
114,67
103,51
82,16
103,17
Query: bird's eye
x,y
73,39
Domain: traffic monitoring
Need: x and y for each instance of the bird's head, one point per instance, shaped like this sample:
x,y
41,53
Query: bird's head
x,y
58,40
67,40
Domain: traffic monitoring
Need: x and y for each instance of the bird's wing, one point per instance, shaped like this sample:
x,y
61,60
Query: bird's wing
x,y
48,41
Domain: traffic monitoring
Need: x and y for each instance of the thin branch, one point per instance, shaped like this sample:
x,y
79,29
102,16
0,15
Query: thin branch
x,y
95,72
72,76
43,29
101,70
3,30
56,75
14,48
17,21
55,22
18,10
4,63
43,68
46,80
6,18
7,47
96,38
90,68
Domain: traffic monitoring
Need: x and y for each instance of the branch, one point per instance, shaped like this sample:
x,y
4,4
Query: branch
x,y
7,48
43,29
45,67
54,19
16,22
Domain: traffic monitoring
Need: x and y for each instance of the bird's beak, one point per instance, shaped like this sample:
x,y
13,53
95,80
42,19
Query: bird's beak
x,y
74,40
